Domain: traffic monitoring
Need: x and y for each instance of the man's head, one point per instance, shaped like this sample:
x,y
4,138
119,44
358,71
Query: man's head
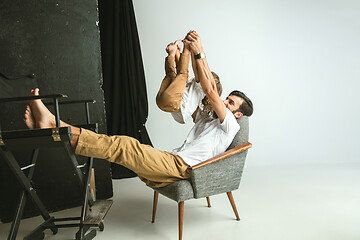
x,y
239,104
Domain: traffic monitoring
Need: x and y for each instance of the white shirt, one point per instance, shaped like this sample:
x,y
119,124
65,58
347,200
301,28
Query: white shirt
x,y
208,138
191,99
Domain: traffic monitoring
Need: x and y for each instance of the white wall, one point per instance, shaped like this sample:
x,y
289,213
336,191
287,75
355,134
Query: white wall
x,y
297,60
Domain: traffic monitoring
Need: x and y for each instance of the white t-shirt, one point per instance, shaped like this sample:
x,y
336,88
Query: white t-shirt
x,y
191,99
208,138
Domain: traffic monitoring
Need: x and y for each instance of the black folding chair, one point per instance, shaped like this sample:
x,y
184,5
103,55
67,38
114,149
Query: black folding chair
x,y
92,212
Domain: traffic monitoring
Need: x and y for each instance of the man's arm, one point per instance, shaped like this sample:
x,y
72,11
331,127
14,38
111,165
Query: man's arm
x,y
196,75
194,67
205,76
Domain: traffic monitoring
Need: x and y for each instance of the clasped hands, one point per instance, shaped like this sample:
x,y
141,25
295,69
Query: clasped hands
x,y
192,43
193,40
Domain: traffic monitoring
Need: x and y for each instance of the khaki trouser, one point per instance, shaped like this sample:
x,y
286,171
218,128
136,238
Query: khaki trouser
x,y
156,168
172,87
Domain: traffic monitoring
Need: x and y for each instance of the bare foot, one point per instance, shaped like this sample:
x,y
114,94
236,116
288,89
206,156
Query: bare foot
x,y
38,116
177,52
42,116
29,118
171,49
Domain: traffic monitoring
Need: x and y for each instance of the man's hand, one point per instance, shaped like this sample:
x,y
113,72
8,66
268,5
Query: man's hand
x,y
205,76
194,41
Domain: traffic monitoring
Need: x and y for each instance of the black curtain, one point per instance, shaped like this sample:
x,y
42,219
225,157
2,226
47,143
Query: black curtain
x,y
123,75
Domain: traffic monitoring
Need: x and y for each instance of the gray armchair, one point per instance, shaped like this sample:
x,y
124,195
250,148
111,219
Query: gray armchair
x,y
220,174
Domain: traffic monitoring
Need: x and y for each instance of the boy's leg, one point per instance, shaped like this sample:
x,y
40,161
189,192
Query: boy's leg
x,y
170,74
177,57
169,100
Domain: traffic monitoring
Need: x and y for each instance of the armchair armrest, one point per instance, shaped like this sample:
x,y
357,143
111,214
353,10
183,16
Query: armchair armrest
x,y
223,155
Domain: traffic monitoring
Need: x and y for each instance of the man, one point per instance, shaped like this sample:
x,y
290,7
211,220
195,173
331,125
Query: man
x,y
156,168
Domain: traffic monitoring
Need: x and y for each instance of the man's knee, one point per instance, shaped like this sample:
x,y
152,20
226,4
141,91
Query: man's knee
x,y
168,103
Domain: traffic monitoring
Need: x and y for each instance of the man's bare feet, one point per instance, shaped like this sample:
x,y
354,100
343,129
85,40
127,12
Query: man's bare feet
x,y
29,118
37,115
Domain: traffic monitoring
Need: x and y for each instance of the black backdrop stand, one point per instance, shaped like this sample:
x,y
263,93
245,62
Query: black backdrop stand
x,y
92,211
123,73
58,41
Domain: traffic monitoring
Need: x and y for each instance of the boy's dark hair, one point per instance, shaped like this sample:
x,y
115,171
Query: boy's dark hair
x,y
246,107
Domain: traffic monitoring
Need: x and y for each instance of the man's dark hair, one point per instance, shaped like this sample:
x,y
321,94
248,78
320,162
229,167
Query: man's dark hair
x,y
246,107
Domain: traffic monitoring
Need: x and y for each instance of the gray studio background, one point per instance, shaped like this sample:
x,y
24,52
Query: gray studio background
x,y
297,60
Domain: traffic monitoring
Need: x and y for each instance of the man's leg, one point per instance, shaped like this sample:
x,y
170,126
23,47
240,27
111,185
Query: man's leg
x,y
172,89
38,116
155,167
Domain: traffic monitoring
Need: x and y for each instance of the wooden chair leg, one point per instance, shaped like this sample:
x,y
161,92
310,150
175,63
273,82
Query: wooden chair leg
x,y
231,199
181,217
92,185
156,195
208,201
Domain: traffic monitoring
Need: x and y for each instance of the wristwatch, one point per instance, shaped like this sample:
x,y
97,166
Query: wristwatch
x,y
201,55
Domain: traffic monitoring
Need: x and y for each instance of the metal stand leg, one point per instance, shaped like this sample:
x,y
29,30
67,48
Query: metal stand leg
x,y
87,196
28,191
16,222
88,219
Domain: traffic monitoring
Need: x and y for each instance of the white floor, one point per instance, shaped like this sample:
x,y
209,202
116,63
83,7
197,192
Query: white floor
x,y
320,202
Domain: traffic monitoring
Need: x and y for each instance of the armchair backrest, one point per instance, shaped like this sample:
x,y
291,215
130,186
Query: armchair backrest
x,y
243,134
224,175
